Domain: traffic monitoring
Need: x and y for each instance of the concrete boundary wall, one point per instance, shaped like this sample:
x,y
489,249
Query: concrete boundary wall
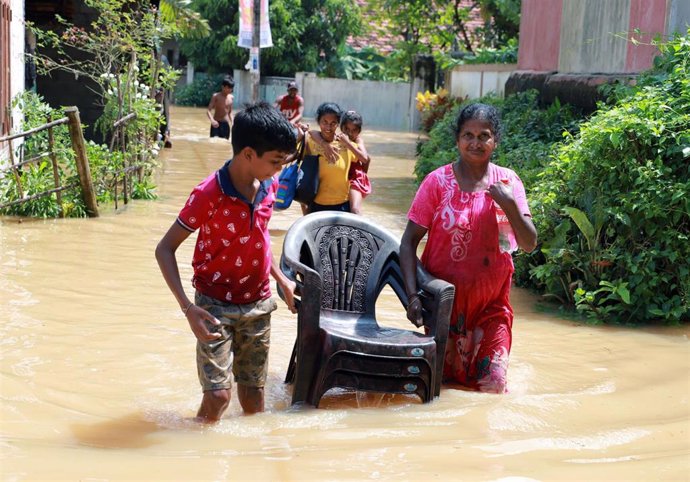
x,y
385,105
381,104
476,80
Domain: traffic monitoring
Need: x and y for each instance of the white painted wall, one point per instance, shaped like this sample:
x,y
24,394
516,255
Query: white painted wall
x,y
16,71
473,81
17,51
381,104
385,105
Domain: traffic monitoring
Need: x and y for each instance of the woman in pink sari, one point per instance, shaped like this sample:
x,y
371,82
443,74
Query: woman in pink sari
x,y
461,206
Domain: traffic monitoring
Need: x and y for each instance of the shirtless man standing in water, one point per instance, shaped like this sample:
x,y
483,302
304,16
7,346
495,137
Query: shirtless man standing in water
x,y
220,110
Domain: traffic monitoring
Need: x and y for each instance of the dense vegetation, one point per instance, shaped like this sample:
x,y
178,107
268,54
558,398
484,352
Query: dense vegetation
x,y
306,33
311,36
611,199
447,30
115,52
200,91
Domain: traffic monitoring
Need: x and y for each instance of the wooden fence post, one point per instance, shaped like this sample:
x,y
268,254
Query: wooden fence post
x,y
77,137
56,173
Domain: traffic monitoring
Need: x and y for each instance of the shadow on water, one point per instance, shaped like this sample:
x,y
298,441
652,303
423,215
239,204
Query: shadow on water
x,y
130,431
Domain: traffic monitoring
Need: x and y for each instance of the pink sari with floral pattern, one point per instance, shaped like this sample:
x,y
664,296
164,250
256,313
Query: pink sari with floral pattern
x,y
462,248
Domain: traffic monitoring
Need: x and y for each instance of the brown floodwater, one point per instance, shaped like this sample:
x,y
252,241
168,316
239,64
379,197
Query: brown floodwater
x,y
98,377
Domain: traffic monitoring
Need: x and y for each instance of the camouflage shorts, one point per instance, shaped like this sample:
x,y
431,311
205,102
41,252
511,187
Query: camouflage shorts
x,y
246,332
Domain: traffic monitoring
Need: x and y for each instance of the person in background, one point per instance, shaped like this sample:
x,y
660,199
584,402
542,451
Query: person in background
x,y
291,104
219,110
164,127
334,185
231,312
463,207
350,138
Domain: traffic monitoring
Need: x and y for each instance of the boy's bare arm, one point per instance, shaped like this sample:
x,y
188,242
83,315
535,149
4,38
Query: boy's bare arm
x,y
167,262
287,286
211,110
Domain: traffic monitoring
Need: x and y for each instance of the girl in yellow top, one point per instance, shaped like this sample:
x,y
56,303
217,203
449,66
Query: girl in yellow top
x,y
334,185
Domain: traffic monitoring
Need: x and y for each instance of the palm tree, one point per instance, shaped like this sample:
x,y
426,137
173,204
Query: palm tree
x,y
189,22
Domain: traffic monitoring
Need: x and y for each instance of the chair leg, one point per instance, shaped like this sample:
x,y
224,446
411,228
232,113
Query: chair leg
x,y
290,375
302,372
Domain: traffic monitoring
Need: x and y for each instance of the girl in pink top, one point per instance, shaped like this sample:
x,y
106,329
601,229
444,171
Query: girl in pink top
x,y
457,206
351,138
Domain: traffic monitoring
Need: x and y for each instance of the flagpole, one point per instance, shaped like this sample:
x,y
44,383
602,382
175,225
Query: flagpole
x,y
255,51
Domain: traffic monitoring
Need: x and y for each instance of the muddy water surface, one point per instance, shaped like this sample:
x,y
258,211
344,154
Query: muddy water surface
x,y
98,380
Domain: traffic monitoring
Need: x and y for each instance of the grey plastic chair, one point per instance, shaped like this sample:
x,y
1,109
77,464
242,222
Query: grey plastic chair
x,y
340,263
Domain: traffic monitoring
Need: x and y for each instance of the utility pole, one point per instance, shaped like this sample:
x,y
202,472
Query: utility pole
x,y
254,53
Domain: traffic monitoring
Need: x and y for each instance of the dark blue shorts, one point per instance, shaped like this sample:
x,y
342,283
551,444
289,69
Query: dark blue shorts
x,y
344,207
223,130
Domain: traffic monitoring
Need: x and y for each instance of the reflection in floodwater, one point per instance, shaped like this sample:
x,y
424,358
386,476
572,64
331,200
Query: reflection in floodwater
x,y
98,378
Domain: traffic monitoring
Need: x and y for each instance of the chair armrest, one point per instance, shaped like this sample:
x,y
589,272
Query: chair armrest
x,y
437,298
301,274
307,281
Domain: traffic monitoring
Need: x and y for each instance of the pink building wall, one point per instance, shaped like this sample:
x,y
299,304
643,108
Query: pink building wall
x,y
541,34
649,16
540,31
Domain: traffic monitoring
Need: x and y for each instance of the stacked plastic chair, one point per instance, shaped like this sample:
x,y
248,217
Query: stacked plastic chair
x,y
340,263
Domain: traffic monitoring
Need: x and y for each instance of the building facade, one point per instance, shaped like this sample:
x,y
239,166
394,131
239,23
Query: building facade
x,y
569,47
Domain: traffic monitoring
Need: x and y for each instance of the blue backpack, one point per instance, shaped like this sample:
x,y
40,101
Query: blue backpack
x,y
287,184
298,181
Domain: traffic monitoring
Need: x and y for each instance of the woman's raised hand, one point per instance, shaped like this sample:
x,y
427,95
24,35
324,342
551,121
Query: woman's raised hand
x,y
501,192
332,152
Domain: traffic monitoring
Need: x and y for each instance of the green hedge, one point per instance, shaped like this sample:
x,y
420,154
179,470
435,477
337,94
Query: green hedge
x,y
613,206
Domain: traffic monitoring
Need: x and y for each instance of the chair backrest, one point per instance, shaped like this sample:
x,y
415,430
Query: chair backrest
x,y
349,253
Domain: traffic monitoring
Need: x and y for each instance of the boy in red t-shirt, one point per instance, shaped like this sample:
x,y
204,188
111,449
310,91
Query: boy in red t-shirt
x,y
231,312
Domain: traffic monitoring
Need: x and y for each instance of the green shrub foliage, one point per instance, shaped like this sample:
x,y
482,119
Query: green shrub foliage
x,y
38,177
199,92
106,166
612,208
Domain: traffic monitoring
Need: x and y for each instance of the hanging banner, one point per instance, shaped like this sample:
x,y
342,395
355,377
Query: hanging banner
x,y
244,39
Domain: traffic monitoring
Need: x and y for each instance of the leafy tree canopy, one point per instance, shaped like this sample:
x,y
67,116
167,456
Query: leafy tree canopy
x,y
441,27
306,34
187,22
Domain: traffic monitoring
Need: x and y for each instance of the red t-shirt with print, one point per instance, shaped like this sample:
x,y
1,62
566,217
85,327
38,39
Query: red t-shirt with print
x,y
232,257
289,106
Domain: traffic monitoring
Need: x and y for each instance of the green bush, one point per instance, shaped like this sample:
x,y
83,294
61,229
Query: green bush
x,y
613,207
508,54
199,92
